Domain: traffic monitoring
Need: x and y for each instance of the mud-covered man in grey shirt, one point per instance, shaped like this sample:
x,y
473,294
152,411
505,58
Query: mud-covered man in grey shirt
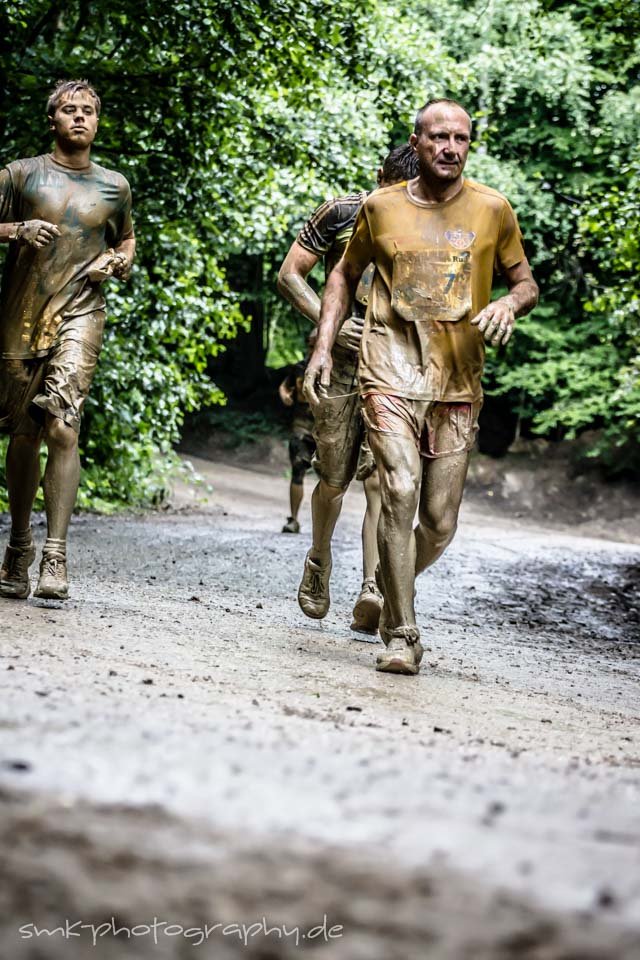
x,y
68,225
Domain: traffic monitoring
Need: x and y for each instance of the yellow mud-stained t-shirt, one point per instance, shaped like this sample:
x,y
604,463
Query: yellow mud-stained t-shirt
x,y
435,264
41,288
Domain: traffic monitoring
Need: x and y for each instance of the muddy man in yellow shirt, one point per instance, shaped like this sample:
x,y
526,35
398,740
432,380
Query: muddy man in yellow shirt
x,y
436,241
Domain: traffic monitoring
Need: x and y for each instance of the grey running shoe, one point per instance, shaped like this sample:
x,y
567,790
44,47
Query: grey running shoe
x,y
403,652
291,526
14,575
53,583
313,593
367,609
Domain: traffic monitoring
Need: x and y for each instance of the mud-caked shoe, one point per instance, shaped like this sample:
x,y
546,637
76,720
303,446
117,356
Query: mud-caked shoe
x,y
367,609
291,526
403,651
53,583
14,573
313,593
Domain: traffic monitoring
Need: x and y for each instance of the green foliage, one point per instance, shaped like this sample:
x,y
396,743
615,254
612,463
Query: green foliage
x,y
152,373
583,374
196,98
234,119
557,104
611,235
554,92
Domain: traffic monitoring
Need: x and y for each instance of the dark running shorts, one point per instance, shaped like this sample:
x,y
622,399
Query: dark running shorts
x,y
302,448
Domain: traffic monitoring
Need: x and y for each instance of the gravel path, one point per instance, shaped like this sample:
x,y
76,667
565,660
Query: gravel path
x,y
178,741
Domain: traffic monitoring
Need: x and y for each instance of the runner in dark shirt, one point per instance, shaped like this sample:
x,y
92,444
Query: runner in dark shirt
x,y
302,446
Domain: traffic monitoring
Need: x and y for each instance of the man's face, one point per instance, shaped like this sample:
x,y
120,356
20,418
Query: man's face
x,y
75,121
443,143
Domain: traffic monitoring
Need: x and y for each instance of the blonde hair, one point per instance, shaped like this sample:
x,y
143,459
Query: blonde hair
x,y
67,88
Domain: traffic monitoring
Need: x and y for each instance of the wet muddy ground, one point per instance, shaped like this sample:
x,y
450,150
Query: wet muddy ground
x,y
179,742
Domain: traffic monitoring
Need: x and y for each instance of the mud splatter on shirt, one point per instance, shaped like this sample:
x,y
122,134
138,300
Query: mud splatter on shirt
x,y
41,288
434,269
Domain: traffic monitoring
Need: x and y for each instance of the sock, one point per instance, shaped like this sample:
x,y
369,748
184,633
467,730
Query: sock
x,y
52,545
20,538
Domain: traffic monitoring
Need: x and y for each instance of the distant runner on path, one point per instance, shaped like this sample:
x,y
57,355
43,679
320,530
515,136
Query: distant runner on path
x,y
302,446
68,225
342,450
436,242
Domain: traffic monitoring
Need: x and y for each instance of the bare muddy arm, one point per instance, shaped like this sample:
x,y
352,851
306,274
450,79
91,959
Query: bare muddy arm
x,y
285,392
37,233
336,302
292,281
497,320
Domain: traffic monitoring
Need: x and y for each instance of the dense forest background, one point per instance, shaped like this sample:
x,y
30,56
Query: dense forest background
x,y
233,119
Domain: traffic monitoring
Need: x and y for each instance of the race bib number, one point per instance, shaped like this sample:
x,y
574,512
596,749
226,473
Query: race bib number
x,y
431,285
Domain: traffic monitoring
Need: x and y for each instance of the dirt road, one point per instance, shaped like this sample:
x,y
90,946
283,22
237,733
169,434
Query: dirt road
x,y
179,742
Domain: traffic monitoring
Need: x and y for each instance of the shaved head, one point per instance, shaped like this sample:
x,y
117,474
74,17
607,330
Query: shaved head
x,y
431,105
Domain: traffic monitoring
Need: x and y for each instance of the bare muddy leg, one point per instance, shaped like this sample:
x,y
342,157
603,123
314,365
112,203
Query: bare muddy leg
x,y
367,608
400,473
61,476
23,478
60,485
314,597
296,493
370,527
326,504
440,497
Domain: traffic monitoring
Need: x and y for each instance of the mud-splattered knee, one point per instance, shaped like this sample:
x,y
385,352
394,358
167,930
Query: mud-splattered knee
x,y
399,491
439,527
59,434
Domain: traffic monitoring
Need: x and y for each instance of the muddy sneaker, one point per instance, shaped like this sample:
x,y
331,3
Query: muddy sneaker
x,y
291,526
53,583
313,593
14,574
367,609
403,652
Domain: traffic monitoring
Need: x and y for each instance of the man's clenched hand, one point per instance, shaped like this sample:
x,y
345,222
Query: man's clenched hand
x,y
320,366
121,267
496,322
37,233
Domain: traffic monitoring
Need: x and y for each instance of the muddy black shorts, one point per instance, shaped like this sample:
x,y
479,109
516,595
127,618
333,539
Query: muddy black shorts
x,y
302,448
57,383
